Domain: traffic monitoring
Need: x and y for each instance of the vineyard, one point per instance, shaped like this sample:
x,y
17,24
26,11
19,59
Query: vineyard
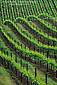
x,y
28,42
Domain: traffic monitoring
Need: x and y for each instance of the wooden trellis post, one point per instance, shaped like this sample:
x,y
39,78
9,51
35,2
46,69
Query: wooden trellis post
x,y
51,68
25,54
53,43
11,55
38,41
14,40
21,73
27,71
48,42
35,73
34,48
4,51
47,57
15,71
15,56
21,46
8,64
35,68
7,53
18,43
56,35
46,78
56,73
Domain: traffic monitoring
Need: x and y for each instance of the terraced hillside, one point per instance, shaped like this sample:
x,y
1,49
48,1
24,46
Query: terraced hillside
x,y
28,41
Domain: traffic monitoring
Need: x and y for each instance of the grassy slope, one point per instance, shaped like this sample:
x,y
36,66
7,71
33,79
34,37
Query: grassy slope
x,y
5,78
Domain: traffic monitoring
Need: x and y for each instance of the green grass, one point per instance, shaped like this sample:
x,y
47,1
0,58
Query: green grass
x,y
5,78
